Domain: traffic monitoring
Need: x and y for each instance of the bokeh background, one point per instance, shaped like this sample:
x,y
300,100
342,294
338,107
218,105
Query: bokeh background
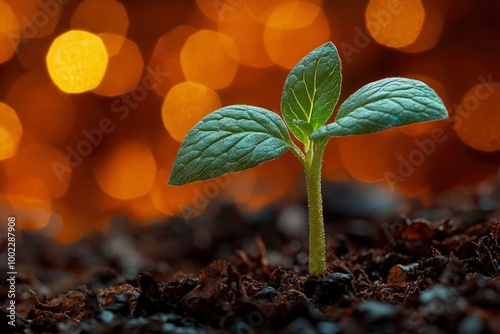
x,y
96,96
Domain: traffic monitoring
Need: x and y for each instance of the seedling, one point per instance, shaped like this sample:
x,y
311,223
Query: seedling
x,y
239,137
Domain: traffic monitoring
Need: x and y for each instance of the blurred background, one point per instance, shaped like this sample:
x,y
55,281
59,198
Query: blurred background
x,y
96,96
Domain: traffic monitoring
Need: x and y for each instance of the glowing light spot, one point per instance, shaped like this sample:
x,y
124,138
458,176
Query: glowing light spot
x,y
38,18
294,15
227,11
124,68
30,214
243,11
267,182
126,171
395,24
477,120
210,58
186,103
431,28
166,57
112,42
286,46
368,157
24,10
47,114
9,32
10,131
171,200
35,184
142,210
262,10
249,39
100,16
77,61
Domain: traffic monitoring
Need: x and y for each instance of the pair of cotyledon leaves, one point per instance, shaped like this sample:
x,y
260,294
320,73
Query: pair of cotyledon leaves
x,y
239,137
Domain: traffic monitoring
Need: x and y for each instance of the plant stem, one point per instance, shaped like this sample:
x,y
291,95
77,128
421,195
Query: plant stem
x,y
312,166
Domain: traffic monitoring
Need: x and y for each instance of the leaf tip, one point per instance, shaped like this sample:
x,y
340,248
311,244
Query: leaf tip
x,y
176,178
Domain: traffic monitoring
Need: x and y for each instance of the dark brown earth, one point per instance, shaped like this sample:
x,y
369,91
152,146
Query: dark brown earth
x,y
435,270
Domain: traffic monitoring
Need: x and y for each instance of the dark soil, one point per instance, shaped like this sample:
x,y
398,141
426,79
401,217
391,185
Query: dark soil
x,y
435,270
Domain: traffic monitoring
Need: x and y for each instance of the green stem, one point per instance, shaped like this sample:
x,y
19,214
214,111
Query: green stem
x,y
312,166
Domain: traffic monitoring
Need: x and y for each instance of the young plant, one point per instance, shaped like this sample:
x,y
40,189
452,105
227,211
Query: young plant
x,y
239,137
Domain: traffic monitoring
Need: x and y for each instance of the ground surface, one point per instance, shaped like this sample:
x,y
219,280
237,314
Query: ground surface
x,y
435,270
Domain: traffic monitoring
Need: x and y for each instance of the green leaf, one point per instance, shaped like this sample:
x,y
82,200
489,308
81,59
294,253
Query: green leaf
x,y
230,139
305,126
382,105
312,90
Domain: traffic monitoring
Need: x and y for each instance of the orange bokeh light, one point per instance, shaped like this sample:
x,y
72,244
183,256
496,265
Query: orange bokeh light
x,y
262,10
125,171
293,15
46,113
35,184
477,118
247,11
124,67
210,58
77,61
101,16
225,11
249,39
38,19
393,23
266,183
287,42
24,10
185,104
10,131
10,30
166,57
176,200
368,157
431,28
112,42
30,214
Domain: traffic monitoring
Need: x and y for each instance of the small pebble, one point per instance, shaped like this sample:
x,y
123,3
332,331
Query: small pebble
x,y
267,293
141,321
168,327
438,291
471,324
326,327
293,221
240,327
340,279
301,326
107,317
376,311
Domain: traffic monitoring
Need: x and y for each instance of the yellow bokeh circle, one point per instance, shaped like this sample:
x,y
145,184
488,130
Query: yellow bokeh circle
x,y
10,131
210,58
126,170
77,61
10,30
395,24
476,120
186,104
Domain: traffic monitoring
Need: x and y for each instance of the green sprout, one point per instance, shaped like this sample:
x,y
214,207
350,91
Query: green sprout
x,y
239,137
